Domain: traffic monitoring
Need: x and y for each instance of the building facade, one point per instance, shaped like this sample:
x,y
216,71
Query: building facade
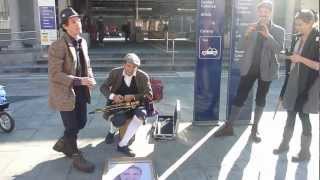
x,y
19,19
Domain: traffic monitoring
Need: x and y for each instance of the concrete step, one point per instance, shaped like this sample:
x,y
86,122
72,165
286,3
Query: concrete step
x,y
43,68
147,60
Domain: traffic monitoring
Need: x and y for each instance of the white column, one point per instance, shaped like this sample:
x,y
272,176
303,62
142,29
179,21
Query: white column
x,y
62,4
290,6
137,9
36,21
14,24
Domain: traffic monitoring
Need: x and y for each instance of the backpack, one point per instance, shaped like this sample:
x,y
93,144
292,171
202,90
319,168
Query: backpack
x,y
157,89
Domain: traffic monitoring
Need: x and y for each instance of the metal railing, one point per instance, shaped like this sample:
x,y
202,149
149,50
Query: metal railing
x,y
24,34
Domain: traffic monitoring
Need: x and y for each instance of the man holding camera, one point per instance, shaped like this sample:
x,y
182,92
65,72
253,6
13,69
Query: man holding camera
x,y
262,42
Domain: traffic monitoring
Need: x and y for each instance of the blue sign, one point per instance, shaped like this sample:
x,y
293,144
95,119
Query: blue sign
x,y
47,17
210,47
210,29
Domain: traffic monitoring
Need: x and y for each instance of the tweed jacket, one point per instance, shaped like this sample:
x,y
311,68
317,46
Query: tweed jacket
x,y
309,83
114,80
273,44
62,61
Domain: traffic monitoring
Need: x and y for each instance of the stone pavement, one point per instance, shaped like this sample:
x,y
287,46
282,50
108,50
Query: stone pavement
x,y
26,153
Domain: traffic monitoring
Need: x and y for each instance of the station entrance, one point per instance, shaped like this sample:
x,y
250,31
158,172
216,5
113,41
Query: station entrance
x,y
137,20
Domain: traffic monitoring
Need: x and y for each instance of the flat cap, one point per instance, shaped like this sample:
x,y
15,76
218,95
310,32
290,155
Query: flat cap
x,y
132,58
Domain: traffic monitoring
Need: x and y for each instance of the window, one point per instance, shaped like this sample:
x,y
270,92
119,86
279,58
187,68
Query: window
x,y
4,15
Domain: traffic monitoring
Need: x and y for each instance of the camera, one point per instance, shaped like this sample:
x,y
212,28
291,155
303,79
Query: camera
x,y
288,53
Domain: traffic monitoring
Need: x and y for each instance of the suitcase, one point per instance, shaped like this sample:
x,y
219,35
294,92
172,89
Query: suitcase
x,y
166,127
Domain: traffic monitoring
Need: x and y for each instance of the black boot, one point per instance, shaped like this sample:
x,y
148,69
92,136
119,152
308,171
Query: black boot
x,y
254,130
254,135
109,138
227,129
125,150
304,154
284,145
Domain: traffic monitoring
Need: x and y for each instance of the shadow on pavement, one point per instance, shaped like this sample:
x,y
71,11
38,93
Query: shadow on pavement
x,y
281,167
166,153
302,171
61,168
241,162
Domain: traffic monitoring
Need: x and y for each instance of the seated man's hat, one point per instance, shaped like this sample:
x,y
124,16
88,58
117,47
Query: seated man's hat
x,y
132,58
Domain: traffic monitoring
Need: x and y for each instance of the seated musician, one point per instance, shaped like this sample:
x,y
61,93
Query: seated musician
x,y
127,84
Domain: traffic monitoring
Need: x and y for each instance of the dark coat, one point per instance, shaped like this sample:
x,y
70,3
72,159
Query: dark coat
x,y
302,88
269,65
114,80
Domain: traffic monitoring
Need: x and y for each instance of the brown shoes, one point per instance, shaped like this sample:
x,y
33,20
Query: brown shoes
x,y
109,138
80,163
60,147
225,130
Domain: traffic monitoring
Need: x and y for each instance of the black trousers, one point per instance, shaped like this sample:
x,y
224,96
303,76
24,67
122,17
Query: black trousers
x,y
246,84
305,121
76,119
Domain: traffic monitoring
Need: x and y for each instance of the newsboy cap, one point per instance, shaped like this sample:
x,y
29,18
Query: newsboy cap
x,y
67,13
132,58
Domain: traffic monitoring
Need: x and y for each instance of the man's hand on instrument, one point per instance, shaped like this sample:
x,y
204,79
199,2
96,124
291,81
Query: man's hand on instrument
x,y
129,98
118,98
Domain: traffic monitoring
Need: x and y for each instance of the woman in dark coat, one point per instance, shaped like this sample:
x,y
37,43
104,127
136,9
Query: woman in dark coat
x,y
300,92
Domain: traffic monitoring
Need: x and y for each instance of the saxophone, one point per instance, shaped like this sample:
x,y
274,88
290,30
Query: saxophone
x,y
119,106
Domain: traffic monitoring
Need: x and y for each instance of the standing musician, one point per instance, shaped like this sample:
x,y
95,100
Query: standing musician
x,y
127,84
263,42
70,81
300,92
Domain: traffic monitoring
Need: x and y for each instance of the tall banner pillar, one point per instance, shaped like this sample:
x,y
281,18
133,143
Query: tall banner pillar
x,y
210,29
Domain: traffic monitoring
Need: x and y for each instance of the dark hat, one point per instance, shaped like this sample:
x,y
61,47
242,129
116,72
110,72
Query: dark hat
x,y
132,58
67,13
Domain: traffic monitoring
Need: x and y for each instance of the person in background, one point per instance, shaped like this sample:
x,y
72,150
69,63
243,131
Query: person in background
x,y
126,31
70,81
127,84
263,42
100,29
300,92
